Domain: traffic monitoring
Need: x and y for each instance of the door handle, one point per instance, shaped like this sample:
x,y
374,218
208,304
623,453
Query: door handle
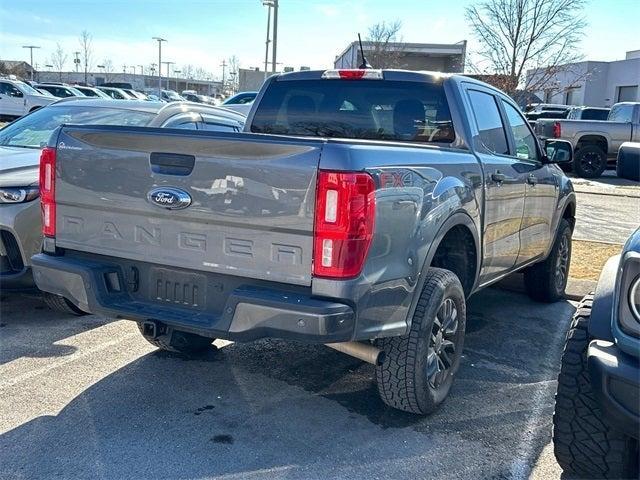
x,y
532,179
172,163
498,177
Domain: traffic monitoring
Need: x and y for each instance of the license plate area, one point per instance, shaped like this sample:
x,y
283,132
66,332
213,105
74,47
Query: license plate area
x,y
178,288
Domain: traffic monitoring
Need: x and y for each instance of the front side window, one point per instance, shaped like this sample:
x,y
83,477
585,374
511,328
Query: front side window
x,y
490,128
526,143
364,109
10,90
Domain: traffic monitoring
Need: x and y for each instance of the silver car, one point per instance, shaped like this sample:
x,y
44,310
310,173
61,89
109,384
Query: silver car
x,y
20,146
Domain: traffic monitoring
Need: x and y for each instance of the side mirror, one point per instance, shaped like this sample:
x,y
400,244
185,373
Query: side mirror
x,y
558,151
16,94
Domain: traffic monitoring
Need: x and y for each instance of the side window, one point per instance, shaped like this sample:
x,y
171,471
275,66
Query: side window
x,y
621,113
13,91
487,115
526,147
3,88
187,121
213,124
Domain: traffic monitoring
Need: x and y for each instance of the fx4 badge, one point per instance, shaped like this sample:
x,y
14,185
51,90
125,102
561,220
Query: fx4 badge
x,y
169,198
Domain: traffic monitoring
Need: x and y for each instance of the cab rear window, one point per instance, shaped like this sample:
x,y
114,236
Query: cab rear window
x,y
363,109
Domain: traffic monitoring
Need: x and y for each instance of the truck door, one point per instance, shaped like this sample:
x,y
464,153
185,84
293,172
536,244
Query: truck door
x,y
504,186
541,185
11,100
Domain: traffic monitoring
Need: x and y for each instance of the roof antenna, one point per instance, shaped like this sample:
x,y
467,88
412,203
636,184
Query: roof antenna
x,y
364,65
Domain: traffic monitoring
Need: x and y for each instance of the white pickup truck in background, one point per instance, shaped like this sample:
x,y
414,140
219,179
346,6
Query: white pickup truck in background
x,y
595,142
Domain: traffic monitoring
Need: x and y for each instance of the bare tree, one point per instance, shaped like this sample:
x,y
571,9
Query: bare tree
x,y
86,50
108,69
383,47
520,35
58,60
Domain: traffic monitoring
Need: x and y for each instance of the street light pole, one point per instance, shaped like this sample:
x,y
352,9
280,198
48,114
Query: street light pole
x,y
160,40
275,35
31,47
269,4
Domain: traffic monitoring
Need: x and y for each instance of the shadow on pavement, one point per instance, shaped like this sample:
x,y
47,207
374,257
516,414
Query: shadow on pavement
x,y
276,409
25,315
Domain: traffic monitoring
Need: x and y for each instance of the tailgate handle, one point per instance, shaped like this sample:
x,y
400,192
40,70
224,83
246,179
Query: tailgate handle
x,y
172,163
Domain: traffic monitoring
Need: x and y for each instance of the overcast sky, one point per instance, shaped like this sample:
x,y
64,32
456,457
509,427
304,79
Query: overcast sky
x,y
311,33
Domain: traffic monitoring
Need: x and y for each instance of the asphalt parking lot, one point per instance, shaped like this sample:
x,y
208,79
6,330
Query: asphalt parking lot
x,y
89,398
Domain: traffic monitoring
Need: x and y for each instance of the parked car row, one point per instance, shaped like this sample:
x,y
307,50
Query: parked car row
x,y
18,98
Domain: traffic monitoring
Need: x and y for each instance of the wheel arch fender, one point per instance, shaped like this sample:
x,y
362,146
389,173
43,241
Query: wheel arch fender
x,y
459,218
602,309
589,137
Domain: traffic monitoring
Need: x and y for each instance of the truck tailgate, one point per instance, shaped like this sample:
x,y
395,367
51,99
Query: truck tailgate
x,y
251,210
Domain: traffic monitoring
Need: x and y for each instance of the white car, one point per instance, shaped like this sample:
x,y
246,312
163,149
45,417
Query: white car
x,y
18,98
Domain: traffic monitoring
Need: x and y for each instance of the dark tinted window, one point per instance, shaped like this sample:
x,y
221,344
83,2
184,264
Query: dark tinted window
x,y
487,115
594,114
367,109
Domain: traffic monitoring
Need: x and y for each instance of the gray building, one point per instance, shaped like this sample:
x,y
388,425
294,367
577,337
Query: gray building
x,y
435,57
251,79
596,84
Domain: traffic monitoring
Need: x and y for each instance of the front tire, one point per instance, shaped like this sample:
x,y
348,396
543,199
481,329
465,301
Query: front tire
x,y
584,443
546,281
60,304
418,368
590,161
176,341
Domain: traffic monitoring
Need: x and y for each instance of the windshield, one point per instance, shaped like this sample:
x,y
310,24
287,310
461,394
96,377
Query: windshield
x,y
28,89
171,95
366,109
34,130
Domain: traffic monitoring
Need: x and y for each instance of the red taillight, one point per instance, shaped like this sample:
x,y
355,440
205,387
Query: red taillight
x,y
344,219
48,191
557,130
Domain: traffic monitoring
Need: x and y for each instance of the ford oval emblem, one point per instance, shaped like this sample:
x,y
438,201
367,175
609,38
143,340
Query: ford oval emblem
x,y
169,198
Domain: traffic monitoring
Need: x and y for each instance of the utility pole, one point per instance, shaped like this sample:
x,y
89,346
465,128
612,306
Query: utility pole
x,y
275,35
77,61
31,47
269,4
224,66
176,72
160,40
167,64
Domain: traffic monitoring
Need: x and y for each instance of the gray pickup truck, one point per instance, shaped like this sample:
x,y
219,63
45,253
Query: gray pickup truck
x,y
359,209
595,142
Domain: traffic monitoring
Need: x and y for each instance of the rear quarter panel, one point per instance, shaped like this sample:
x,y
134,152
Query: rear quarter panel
x,y
419,189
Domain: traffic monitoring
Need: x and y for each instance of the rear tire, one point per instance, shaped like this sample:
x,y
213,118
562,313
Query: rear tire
x,y
590,161
584,443
176,341
418,368
546,281
60,304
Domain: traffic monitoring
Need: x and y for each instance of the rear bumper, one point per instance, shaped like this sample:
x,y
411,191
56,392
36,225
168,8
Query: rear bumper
x,y
615,380
249,312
